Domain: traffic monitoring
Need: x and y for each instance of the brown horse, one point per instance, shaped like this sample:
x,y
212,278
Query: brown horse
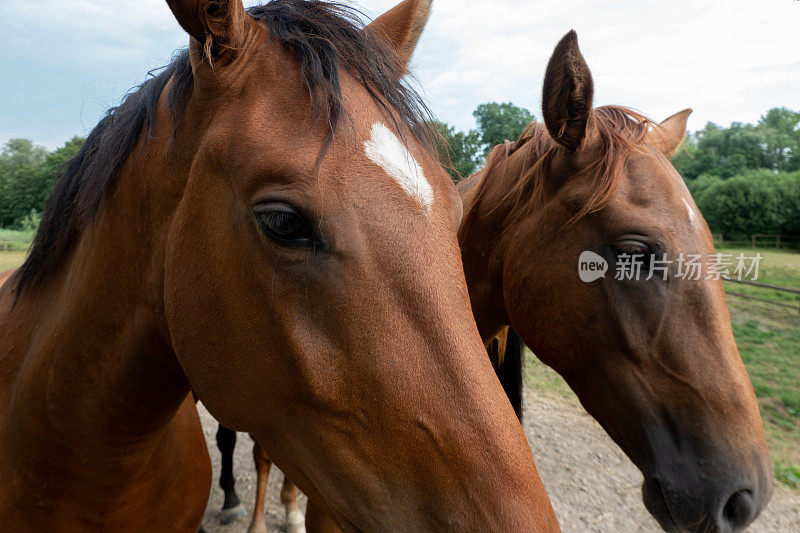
x,y
217,234
654,359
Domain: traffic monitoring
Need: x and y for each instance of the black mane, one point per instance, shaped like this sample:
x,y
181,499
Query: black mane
x,y
324,37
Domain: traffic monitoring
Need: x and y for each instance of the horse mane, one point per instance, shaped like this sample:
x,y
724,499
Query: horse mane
x,y
324,37
621,132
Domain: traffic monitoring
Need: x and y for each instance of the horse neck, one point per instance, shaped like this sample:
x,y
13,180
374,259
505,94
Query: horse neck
x,y
85,361
486,210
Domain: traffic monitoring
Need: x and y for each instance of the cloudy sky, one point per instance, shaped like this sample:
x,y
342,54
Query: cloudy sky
x,y
65,62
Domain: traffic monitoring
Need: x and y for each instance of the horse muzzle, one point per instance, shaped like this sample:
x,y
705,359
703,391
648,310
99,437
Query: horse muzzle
x,y
722,507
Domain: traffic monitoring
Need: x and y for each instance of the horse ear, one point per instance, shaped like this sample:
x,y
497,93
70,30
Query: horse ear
x,y
219,26
568,94
671,133
402,26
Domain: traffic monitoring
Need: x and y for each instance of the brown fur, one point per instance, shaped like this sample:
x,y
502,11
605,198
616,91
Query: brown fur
x,y
404,37
496,347
567,116
621,133
166,281
654,362
656,366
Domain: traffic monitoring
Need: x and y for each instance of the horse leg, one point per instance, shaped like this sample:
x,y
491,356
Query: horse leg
x,y
295,521
318,521
263,464
232,508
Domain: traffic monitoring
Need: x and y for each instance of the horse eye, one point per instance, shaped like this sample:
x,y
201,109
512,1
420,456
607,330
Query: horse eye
x,y
283,225
632,247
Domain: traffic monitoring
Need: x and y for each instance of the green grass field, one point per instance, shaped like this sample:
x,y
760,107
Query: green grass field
x,y
15,241
768,339
769,343
9,260
26,235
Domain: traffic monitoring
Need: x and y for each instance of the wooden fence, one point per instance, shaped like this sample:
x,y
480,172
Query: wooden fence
x,y
779,242
14,245
776,288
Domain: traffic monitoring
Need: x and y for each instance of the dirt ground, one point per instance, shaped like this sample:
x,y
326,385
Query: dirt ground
x,y
591,483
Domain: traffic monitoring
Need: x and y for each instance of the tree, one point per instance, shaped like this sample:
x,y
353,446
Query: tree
x,y
20,162
26,177
730,151
464,152
53,162
460,153
773,143
498,123
779,127
757,201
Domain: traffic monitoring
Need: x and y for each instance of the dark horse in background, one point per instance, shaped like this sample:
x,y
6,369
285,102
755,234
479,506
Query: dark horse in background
x,y
248,225
652,359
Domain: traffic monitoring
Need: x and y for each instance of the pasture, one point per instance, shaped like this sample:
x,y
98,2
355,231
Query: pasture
x,y
769,343
9,260
14,241
16,234
14,247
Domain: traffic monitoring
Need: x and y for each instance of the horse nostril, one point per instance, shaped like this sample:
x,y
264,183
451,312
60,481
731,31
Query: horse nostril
x,y
738,510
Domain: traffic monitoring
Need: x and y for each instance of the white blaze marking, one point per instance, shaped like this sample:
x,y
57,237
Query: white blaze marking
x,y
693,211
386,151
692,215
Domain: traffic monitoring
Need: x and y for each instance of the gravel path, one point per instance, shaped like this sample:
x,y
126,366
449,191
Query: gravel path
x,y
591,483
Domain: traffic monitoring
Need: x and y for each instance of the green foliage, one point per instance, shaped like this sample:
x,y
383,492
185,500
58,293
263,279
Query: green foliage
x,y
773,143
30,222
498,123
746,178
20,161
782,139
459,153
755,201
26,177
789,475
465,152
55,159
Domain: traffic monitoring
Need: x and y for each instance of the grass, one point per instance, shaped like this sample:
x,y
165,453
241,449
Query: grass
x,y
9,260
20,234
15,240
781,268
769,343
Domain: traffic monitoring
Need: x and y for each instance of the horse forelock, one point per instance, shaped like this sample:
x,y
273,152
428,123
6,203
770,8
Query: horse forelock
x,y
621,133
326,38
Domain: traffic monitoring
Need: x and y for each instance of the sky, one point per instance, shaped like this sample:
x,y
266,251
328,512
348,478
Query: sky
x,y
65,62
